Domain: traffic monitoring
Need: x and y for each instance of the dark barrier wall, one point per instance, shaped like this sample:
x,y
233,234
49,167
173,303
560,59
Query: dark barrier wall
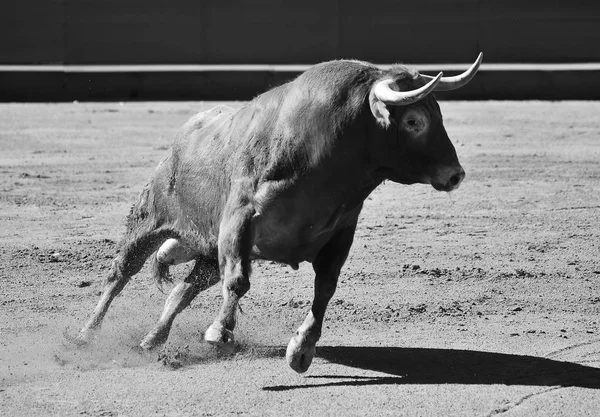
x,y
296,32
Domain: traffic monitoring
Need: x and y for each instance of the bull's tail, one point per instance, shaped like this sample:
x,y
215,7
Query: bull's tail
x,y
173,251
160,272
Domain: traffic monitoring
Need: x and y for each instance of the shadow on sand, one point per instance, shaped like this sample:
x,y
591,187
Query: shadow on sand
x,y
445,366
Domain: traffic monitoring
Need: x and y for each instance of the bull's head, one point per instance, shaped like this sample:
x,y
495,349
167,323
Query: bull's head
x,y
417,149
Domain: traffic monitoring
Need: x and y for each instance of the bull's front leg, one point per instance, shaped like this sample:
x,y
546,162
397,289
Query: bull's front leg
x,y
235,244
327,265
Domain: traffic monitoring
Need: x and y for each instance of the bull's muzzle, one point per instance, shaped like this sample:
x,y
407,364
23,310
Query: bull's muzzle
x,y
449,179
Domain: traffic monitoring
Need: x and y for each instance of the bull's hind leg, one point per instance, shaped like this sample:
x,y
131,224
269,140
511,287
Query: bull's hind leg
x,y
204,275
128,262
235,243
327,265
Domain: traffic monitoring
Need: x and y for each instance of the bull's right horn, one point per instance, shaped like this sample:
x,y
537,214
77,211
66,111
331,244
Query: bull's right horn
x,y
391,97
452,83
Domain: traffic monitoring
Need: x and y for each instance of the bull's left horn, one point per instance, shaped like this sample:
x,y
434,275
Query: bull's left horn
x,y
452,83
391,97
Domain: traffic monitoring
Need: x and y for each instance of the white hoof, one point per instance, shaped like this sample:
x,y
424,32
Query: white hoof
x,y
219,335
299,354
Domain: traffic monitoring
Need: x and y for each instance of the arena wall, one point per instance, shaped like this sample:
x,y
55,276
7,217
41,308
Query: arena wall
x,y
225,32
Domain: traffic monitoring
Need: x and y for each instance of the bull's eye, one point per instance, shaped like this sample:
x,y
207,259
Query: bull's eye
x,y
415,121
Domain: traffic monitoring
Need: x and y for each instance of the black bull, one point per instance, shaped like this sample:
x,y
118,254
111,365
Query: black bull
x,y
283,178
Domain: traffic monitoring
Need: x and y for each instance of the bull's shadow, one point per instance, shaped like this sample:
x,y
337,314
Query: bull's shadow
x,y
446,366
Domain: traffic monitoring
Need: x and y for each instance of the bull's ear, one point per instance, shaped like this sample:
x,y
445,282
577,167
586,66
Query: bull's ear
x,y
380,111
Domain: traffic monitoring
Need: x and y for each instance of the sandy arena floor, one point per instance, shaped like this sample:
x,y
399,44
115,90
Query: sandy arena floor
x,y
483,302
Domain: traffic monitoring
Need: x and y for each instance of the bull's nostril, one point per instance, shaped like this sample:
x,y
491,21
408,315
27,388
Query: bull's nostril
x,y
455,179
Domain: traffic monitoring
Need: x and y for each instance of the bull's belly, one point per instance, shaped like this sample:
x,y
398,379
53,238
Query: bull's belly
x,y
295,240
285,245
290,250
294,233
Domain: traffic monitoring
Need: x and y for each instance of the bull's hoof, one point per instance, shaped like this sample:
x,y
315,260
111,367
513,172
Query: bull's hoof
x,y
217,334
299,354
154,339
83,338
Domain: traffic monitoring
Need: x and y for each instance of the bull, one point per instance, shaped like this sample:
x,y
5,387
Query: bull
x,y
282,178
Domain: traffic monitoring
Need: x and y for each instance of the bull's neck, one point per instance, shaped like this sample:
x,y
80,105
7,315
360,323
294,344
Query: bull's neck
x,y
347,182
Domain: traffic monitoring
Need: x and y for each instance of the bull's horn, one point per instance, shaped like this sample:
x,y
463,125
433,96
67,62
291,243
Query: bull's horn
x,y
390,97
452,83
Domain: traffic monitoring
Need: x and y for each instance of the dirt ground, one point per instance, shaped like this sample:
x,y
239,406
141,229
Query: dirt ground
x,y
482,302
